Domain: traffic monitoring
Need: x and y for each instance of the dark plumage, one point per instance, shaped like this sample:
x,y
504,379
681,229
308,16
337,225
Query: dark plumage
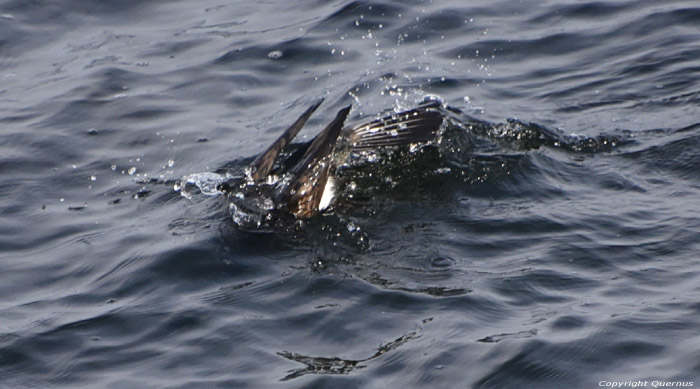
x,y
306,174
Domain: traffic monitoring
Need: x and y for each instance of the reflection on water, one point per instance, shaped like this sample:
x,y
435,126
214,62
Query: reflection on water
x,y
321,365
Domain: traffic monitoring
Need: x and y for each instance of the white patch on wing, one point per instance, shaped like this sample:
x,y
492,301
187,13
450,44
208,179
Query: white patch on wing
x,y
328,194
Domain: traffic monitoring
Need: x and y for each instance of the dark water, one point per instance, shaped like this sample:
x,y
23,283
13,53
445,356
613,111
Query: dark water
x,y
522,260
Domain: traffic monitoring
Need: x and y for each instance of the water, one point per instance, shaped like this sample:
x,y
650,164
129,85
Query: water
x,y
517,262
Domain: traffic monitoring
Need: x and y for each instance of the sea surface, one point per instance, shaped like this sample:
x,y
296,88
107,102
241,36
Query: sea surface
x,y
552,241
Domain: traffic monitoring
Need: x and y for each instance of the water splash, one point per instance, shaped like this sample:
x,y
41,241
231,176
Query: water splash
x,y
200,183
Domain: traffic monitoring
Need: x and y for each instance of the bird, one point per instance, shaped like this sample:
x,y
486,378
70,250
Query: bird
x,y
301,181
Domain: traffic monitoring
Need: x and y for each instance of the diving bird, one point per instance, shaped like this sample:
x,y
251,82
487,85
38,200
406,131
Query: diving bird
x,y
301,181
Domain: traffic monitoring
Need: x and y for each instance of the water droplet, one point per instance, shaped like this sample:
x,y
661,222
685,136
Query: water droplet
x,y
443,170
431,98
268,204
275,54
171,163
93,177
131,171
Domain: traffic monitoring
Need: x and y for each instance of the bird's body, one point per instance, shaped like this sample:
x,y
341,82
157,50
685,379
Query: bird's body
x,y
302,183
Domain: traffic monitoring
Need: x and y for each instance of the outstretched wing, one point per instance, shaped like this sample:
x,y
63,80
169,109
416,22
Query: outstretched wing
x,y
310,174
419,124
262,165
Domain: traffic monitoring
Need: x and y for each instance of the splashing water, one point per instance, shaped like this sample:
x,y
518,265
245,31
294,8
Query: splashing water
x,y
204,183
